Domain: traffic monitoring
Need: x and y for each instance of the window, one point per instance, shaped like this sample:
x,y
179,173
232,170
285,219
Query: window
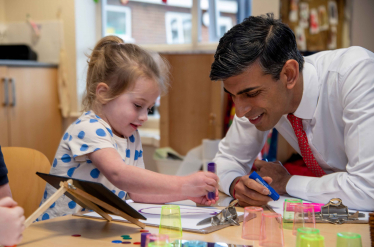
x,y
178,28
117,21
172,26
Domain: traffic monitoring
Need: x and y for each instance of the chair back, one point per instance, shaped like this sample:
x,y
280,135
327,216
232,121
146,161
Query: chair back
x,y
27,188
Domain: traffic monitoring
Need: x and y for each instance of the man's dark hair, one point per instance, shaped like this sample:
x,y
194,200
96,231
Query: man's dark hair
x,y
257,37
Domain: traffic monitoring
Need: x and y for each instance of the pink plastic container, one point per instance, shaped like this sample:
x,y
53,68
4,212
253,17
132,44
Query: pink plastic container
x,y
271,230
304,217
252,223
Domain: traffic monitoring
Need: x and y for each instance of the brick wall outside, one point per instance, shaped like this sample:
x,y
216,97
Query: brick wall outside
x,y
148,21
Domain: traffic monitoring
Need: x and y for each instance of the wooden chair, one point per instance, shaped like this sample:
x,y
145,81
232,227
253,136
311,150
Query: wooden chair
x,y
27,188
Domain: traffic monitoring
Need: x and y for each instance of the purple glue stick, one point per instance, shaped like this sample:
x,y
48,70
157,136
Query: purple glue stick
x,y
212,168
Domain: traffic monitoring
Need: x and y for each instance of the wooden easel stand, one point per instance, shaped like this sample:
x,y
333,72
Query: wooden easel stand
x,y
89,200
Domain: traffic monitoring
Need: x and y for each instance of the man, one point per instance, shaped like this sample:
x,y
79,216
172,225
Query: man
x,y
323,105
11,216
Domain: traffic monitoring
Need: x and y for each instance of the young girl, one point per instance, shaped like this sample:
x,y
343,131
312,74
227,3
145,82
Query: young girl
x,y
103,145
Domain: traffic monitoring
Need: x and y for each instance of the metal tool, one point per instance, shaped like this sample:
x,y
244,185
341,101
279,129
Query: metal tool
x,y
227,216
337,213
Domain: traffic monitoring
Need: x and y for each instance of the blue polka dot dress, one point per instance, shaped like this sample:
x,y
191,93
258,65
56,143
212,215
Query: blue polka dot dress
x,y
88,134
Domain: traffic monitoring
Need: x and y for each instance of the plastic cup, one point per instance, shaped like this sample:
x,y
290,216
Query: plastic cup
x,y
348,239
304,217
271,230
195,243
159,244
305,231
170,222
156,240
143,238
289,212
252,223
312,241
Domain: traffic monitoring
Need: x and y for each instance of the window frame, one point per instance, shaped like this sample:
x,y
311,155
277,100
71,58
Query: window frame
x,y
120,9
180,17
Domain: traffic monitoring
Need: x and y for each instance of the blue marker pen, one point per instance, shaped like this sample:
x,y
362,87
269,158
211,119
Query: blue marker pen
x,y
211,168
273,195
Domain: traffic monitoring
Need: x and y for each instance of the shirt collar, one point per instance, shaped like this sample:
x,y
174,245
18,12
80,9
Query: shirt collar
x,y
308,103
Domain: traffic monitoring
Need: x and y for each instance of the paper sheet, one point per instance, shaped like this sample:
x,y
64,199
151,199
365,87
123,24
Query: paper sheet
x,y
277,206
190,215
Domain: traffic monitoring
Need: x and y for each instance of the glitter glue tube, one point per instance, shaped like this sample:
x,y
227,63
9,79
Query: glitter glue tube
x,y
212,168
273,195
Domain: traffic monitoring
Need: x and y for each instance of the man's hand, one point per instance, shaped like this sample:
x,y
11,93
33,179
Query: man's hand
x,y
276,171
249,192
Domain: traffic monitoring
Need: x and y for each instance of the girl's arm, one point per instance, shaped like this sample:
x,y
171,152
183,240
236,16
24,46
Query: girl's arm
x,y
140,181
171,198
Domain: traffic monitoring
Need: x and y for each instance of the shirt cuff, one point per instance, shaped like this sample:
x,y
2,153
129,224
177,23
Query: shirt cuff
x,y
4,180
297,186
225,182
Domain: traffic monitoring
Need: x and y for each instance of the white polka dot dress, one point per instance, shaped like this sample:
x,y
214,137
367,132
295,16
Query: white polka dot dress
x,y
86,135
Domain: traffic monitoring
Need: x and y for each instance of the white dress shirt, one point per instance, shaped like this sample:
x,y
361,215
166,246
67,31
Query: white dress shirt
x,y
337,108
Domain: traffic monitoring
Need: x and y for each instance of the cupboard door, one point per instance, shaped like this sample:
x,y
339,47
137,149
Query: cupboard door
x,y
185,110
4,137
35,119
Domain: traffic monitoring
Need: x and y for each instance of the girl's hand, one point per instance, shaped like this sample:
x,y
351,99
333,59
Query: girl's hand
x,y
203,200
199,184
11,222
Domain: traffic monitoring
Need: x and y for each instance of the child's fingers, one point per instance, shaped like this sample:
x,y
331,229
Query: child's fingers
x,y
210,188
7,202
212,175
19,212
211,182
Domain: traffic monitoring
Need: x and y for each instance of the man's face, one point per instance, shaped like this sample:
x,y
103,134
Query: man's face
x,y
258,97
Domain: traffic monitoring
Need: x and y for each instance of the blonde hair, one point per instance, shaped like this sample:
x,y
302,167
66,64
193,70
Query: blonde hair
x,y
119,65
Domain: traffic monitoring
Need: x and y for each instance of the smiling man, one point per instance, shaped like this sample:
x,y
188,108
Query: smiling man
x,y
323,105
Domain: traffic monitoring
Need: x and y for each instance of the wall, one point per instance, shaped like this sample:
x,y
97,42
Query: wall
x,y
362,24
2,11
41,10
260,7
85,40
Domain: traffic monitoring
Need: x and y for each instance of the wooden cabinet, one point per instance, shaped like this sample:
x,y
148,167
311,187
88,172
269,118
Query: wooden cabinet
x,y
29,113
185,110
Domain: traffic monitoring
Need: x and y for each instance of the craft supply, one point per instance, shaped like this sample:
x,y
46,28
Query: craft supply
x,y
144,230
317,206
271,233
312,241
212,168
228,216
348,239
117,242
304,217
170,222
305,231
143,238
289,212
76,235
252,223
159,238
272,193
195,243
126,242
137,243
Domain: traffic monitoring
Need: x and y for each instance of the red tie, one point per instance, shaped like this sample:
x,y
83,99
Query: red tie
x,y
306,152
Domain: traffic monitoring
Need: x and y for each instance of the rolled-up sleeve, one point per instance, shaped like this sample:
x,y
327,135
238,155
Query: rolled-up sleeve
x,y
237,151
